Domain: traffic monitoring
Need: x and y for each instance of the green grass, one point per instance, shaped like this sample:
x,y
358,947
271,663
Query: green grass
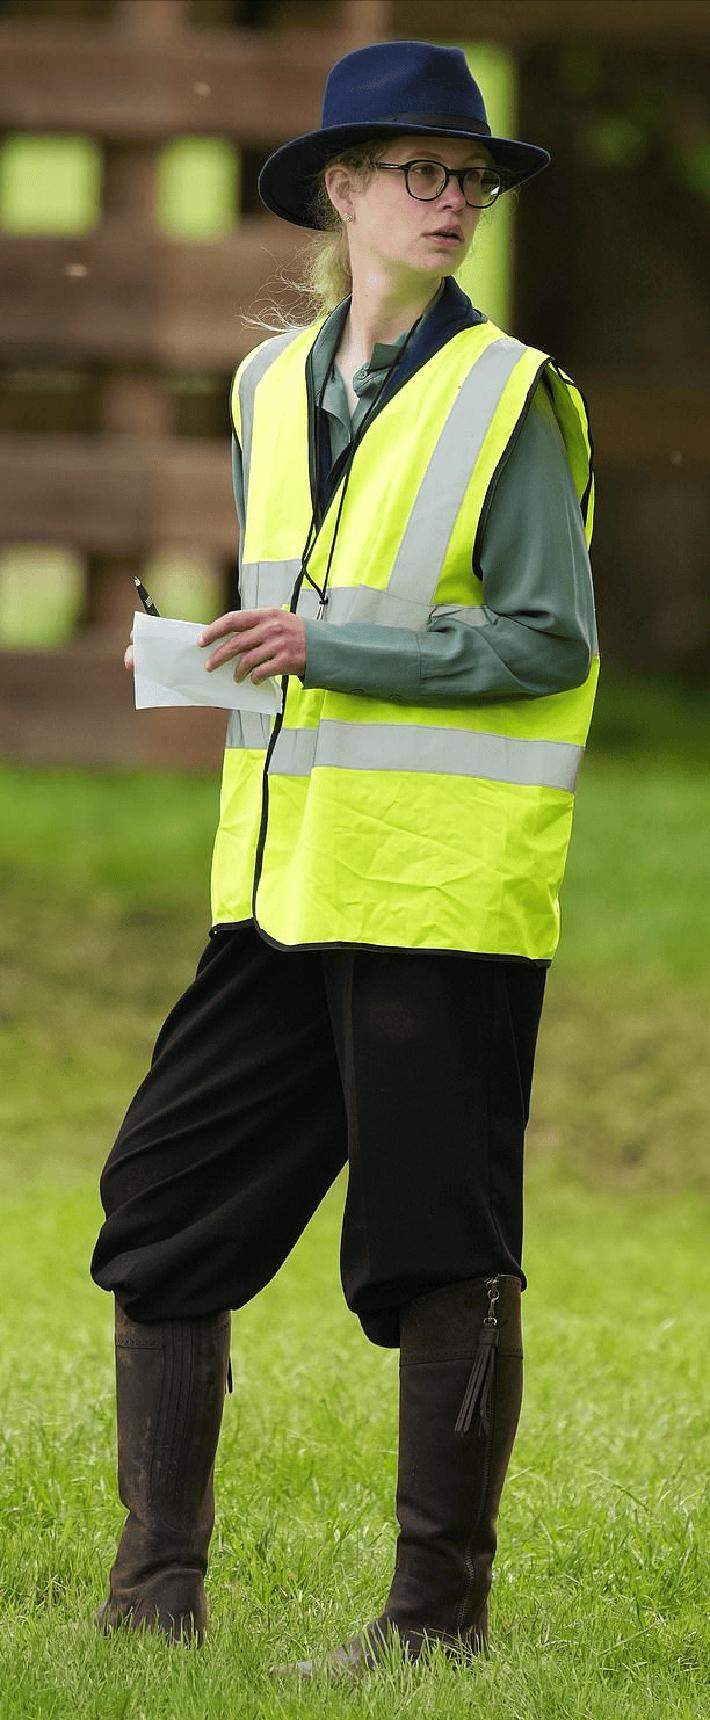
x,y
597,1606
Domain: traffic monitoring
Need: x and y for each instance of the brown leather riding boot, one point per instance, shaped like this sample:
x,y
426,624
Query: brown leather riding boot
x,y
170,1386
461,1382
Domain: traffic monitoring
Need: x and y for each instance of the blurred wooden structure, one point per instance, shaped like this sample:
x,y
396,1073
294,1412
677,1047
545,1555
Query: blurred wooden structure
x,y
614,287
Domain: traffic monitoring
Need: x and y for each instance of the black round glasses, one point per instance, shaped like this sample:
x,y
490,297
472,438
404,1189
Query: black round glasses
x,y
426,180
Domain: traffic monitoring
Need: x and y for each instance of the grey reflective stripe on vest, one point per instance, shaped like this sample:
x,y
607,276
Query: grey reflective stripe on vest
x,y
266,584
252,374
248,729
417,747
363,603
420,556
252,728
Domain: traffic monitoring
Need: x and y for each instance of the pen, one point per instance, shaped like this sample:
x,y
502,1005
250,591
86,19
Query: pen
x,y
147,601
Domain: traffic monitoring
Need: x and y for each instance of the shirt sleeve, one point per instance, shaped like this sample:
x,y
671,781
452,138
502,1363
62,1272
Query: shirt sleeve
x,y
539,632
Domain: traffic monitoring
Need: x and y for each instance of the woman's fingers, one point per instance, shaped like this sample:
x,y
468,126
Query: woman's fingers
x,y
128,659
251,660
273,638
239,629
234,621
232,647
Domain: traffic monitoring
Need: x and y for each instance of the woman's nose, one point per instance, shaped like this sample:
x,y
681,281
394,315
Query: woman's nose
x,y
452,196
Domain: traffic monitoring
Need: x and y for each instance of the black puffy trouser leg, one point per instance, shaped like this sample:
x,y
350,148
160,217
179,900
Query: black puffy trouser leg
x,y
171,1378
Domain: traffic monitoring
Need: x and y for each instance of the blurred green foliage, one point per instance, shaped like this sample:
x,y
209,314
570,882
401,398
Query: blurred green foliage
x,y
42,592
486,274
198,187
49,184
54,185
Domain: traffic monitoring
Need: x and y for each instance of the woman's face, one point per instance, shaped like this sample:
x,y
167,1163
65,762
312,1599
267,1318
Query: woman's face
x,y
393,228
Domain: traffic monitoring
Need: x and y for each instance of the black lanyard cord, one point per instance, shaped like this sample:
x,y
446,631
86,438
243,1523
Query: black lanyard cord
x,y
359,433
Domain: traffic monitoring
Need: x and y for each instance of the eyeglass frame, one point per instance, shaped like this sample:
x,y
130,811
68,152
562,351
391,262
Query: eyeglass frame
x,y
458,173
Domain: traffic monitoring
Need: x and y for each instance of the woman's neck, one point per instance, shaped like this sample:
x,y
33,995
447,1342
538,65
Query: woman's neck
x,y
380,311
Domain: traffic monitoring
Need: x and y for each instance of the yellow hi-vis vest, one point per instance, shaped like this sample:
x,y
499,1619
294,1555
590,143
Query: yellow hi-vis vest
x,y
372,821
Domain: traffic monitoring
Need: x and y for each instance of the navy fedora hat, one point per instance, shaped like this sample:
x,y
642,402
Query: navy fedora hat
x,y
387,88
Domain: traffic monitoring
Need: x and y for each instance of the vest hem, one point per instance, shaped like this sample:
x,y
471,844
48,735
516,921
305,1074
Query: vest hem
x,y
338,944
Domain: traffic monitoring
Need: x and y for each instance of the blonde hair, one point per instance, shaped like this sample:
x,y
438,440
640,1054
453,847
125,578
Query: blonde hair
x,y
322,274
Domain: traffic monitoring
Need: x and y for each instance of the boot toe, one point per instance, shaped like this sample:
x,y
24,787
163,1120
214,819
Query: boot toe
x,y
361,1653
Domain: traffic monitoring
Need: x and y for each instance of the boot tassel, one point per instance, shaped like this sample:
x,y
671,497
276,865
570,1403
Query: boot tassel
x,y
480,1380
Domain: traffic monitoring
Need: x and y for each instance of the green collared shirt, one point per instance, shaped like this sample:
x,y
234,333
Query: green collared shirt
x,y
540,629
366,382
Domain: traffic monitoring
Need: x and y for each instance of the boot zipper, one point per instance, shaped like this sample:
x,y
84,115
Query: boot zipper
x,y
478,1390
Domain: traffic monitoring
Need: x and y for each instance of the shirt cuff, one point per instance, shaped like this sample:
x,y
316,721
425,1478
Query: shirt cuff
x,y
362,657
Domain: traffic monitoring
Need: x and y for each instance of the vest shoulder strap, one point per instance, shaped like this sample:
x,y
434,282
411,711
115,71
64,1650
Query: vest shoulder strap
x,y
251,369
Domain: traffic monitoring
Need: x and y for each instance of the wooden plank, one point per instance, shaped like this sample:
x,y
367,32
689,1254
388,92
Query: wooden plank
x,y
525,23
118,494
123,295
253,86
75,705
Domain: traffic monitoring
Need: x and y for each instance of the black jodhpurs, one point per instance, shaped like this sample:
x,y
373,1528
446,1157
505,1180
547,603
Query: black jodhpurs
x,y
277,1067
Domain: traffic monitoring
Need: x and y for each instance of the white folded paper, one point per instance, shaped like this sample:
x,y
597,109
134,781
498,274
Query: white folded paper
x,y
170,670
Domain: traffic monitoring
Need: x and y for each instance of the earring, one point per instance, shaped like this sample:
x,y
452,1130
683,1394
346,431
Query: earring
x,y
347,217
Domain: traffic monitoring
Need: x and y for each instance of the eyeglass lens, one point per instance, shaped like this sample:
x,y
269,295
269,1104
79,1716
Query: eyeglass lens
x,y
426,180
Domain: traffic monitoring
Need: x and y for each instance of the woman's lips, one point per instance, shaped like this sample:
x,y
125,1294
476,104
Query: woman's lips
x,y
444,238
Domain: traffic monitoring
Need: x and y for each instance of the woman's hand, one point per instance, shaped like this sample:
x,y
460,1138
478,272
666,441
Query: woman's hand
x,y
274,640
128,659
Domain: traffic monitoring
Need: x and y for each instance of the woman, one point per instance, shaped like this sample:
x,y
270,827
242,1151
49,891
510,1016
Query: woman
x,y
387,864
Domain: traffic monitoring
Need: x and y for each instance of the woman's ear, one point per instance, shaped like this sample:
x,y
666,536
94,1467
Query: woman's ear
x,y
337,184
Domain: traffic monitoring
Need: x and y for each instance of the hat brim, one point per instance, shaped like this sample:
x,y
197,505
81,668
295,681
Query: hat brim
x,y
283,182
